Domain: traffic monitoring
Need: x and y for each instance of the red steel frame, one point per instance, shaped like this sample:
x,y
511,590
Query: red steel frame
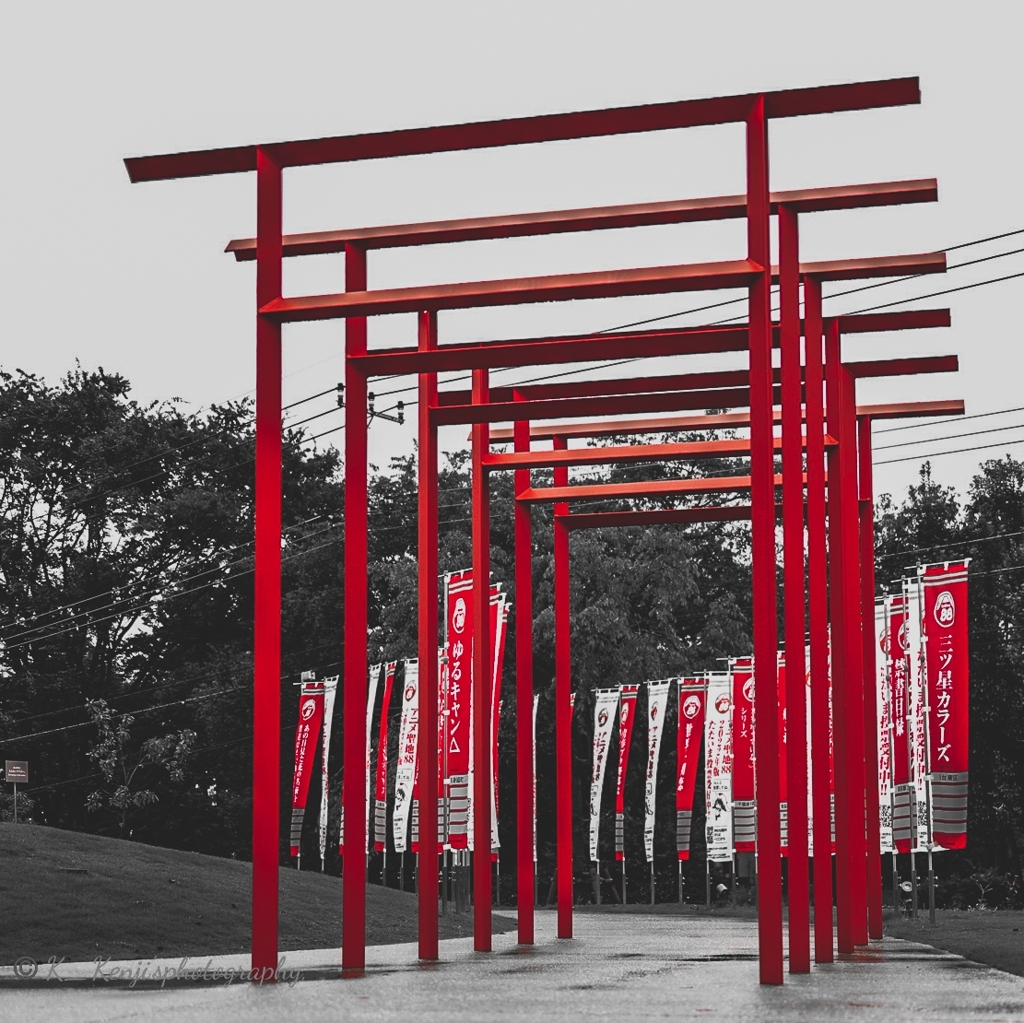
x,y
561,458
355,304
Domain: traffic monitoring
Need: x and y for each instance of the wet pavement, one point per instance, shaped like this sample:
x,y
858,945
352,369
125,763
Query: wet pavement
x,y
619,968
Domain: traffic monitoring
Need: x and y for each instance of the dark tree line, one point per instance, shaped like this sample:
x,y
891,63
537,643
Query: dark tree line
x,y
126,619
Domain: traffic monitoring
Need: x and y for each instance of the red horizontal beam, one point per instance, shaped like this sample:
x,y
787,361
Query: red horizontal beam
x,y
598,347
642,488
912,410
880,266
606,405
663,516
648,280
631,453
878,323
527,130
598,218
692,381
554,351
722,421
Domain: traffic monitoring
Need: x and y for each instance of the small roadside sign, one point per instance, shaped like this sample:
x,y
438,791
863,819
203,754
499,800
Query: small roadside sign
x,y
16,771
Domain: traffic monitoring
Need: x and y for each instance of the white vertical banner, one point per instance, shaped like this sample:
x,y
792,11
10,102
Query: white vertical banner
x,y
606,702
883,722
718,767
915,711
408,742
536,700
371,699
657,701
330,692
810,759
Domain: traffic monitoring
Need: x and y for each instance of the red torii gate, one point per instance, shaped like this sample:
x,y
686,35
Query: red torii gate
x,y
522,460
272,310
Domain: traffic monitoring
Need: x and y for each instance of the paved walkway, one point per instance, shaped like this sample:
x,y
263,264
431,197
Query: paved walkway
x,y
620,968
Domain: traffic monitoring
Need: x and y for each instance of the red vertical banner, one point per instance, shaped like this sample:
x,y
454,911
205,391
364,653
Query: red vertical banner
x,y
627,712
692,698
947,673
380,794
307,732
498,640
457,711
744,809
904,815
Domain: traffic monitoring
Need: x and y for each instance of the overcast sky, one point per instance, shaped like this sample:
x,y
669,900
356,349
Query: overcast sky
x,y
134,278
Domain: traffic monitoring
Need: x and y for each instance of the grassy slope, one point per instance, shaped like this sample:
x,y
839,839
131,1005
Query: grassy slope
x,y
68,894
993,937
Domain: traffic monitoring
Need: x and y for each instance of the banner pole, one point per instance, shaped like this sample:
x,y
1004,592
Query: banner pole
x,y
931,889
652,882
401,872
707,882
623,878
680,862
15,802
913,881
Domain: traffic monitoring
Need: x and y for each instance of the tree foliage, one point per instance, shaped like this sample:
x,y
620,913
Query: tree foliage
x,y
126,613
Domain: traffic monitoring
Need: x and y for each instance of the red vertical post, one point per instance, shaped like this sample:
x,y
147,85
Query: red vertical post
x,y
817,587
266,760
353,790
563,711
867,612
794,602
524,692
762,500
427,886
481,677
847,674
853,655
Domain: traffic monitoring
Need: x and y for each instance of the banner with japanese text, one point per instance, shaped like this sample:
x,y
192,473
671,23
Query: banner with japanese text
x,y
904,804
916,704
744,808
536,701
380,804
408,749
371,700
947,677
458,709
307,731
692,698
627,713
883,725
330,693
657,702
780,673
718,767
605,705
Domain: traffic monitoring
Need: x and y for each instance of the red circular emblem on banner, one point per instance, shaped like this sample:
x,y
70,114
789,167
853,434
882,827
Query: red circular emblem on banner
x,y
722,704
308,707
623,714
602,718
903,638
691,706
748,690
945,609
883,640
654,712
410,692
459,615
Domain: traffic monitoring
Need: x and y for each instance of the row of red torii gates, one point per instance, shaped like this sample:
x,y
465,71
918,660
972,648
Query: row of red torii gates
x,y
825,446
